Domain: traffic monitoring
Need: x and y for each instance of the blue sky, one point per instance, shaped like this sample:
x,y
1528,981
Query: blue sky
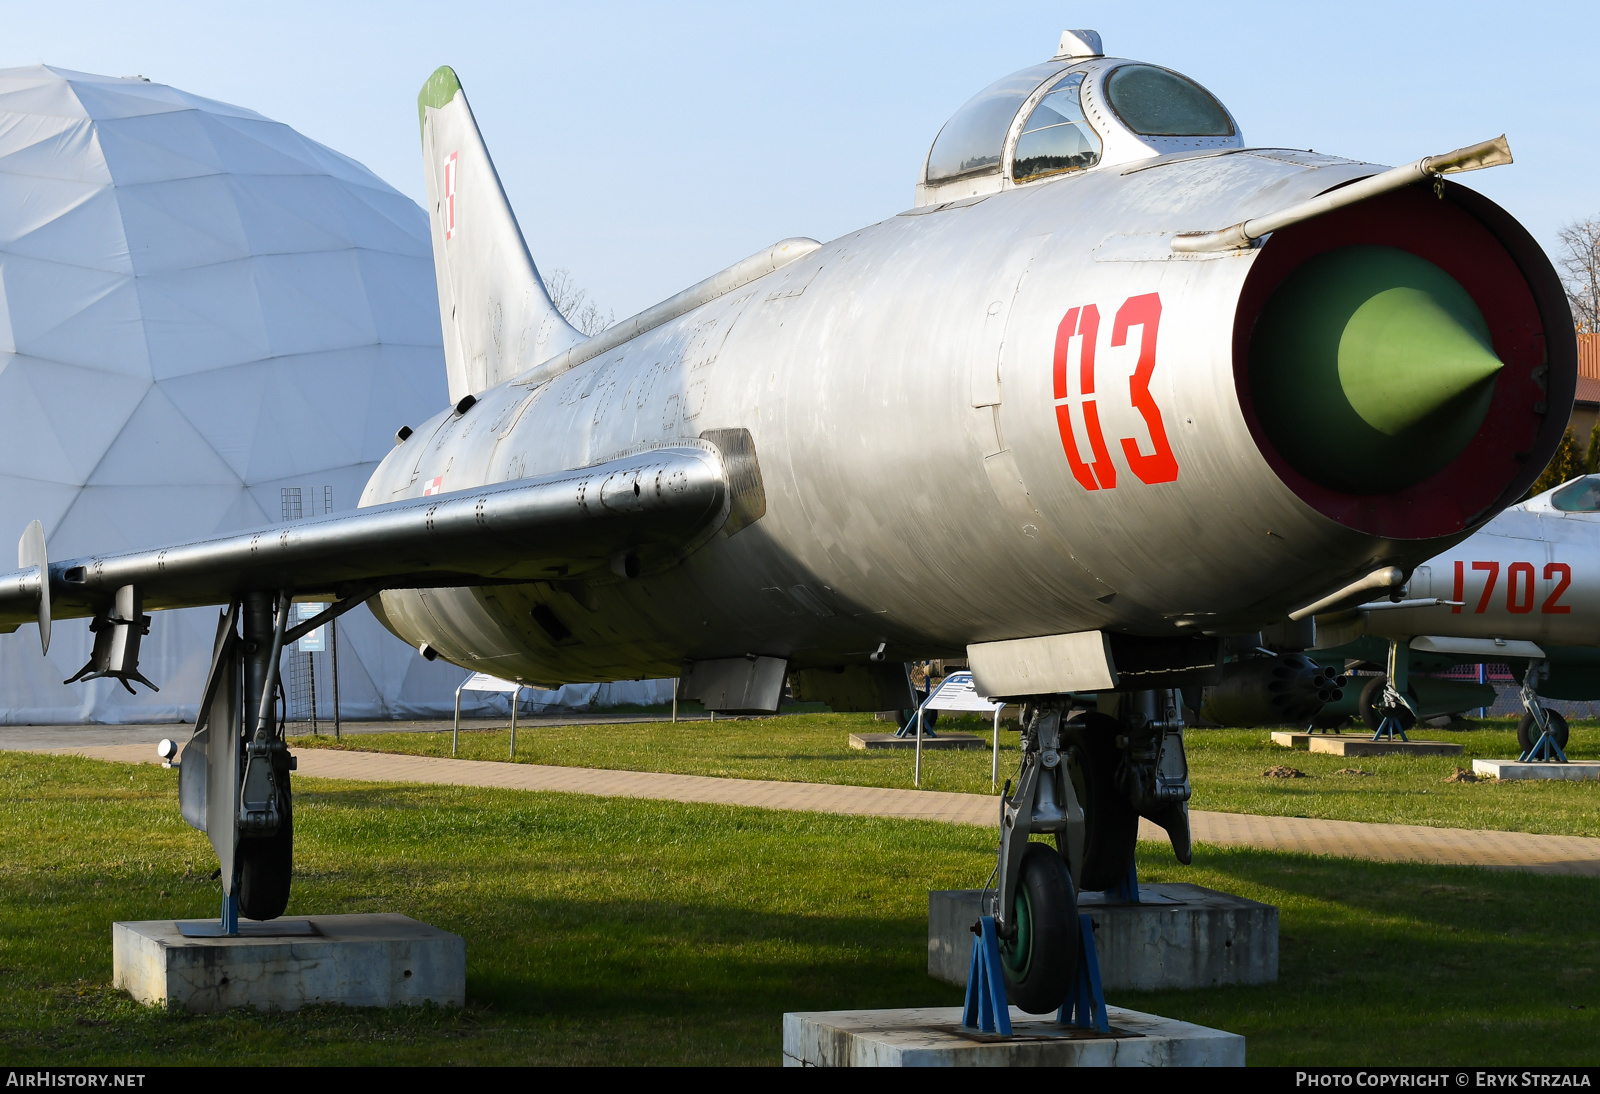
x,y
645,146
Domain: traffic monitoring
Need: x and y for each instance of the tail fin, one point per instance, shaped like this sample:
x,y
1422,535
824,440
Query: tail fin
x,y
498,319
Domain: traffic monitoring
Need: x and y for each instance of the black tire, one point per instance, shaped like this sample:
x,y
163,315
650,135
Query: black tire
x,y
266,864
1528,734
1041,963
1111,826
1370,713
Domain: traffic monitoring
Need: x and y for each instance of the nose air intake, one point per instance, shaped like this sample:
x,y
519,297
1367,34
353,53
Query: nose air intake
x,y
1372,369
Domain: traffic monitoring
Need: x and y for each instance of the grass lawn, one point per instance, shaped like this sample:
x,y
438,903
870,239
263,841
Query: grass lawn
x,y
793,748
1226,766
604,930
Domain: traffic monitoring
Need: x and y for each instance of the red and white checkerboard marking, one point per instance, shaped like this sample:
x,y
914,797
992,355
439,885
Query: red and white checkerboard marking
x,y
435,486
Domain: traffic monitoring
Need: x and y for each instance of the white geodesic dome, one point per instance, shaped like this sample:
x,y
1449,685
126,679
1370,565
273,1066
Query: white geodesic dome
x,y
207,322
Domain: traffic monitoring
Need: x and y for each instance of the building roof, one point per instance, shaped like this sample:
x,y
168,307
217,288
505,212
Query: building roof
x,y
1589,369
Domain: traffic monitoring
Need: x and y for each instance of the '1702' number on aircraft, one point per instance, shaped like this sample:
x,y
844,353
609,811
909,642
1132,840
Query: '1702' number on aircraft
x,y
1159,465
1519,587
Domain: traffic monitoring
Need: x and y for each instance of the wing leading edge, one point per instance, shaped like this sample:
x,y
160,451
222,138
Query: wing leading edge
x,y
635,514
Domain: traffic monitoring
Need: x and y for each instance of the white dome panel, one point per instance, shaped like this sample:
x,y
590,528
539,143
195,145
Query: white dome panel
x,y
57,420
164,148
186,224
115,518
218,322
61,219
203,319
158,445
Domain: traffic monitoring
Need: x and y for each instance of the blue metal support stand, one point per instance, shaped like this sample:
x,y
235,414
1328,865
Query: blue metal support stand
x,y
1127,889
1085,1007
1389,729
986,1009
910,728
230,914
1545,749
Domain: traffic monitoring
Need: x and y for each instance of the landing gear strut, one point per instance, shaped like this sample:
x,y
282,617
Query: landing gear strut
x,y
266,826
1085,780
1542,732
233,783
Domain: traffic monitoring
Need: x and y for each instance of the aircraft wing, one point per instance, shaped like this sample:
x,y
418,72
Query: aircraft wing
x,y
636,513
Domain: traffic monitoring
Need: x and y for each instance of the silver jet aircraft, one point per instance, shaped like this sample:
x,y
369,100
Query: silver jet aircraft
x,y
1115,387
1524,590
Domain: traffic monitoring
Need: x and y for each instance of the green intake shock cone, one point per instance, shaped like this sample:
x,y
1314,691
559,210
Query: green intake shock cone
x,y
1371,369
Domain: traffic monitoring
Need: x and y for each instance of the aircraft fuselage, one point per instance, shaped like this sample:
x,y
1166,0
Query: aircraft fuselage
x,y
1010,417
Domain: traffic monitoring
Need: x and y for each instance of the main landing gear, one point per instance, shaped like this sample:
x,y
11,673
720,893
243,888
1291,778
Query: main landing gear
x,y
1542,732
233,782
1086,779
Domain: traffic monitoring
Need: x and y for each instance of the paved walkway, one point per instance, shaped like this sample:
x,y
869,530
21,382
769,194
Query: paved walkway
x,y
1348,838
43,737
1576,855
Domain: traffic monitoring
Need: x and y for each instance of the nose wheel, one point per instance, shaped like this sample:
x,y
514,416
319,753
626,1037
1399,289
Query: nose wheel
x,y
1040,959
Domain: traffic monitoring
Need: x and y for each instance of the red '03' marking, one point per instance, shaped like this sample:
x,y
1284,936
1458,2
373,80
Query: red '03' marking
x,y
1158,465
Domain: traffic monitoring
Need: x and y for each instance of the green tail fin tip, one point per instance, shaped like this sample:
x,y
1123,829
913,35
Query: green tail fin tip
x,y
437,91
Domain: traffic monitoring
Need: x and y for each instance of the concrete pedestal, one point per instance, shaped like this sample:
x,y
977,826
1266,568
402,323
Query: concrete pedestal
x,y
944,741
379,960
1366,746
1516,769
1182,936
933,1037
1302,738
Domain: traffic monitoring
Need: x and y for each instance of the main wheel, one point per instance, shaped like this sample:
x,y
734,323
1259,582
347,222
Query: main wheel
x,y
1372,713
1528,733
1111,827
1041,962
266,864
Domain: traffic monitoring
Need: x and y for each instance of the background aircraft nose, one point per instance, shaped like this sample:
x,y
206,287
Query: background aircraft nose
x,y
1371,369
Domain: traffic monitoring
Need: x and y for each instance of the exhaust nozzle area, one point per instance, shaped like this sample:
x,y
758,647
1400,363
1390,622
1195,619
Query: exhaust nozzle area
x,y
1406,364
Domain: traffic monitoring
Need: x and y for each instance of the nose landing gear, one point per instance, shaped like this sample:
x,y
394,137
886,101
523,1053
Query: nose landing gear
x,y
1085,780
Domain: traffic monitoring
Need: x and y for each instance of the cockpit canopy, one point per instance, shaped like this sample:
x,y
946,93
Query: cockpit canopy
x,y
1578,496
1076,111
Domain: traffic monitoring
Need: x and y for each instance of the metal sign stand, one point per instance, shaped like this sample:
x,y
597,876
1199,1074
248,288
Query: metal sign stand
x,y
482,681
956,692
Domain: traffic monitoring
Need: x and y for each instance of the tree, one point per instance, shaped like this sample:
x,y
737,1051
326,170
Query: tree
x,y
1591,455
1565,465
575,305
1579,260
